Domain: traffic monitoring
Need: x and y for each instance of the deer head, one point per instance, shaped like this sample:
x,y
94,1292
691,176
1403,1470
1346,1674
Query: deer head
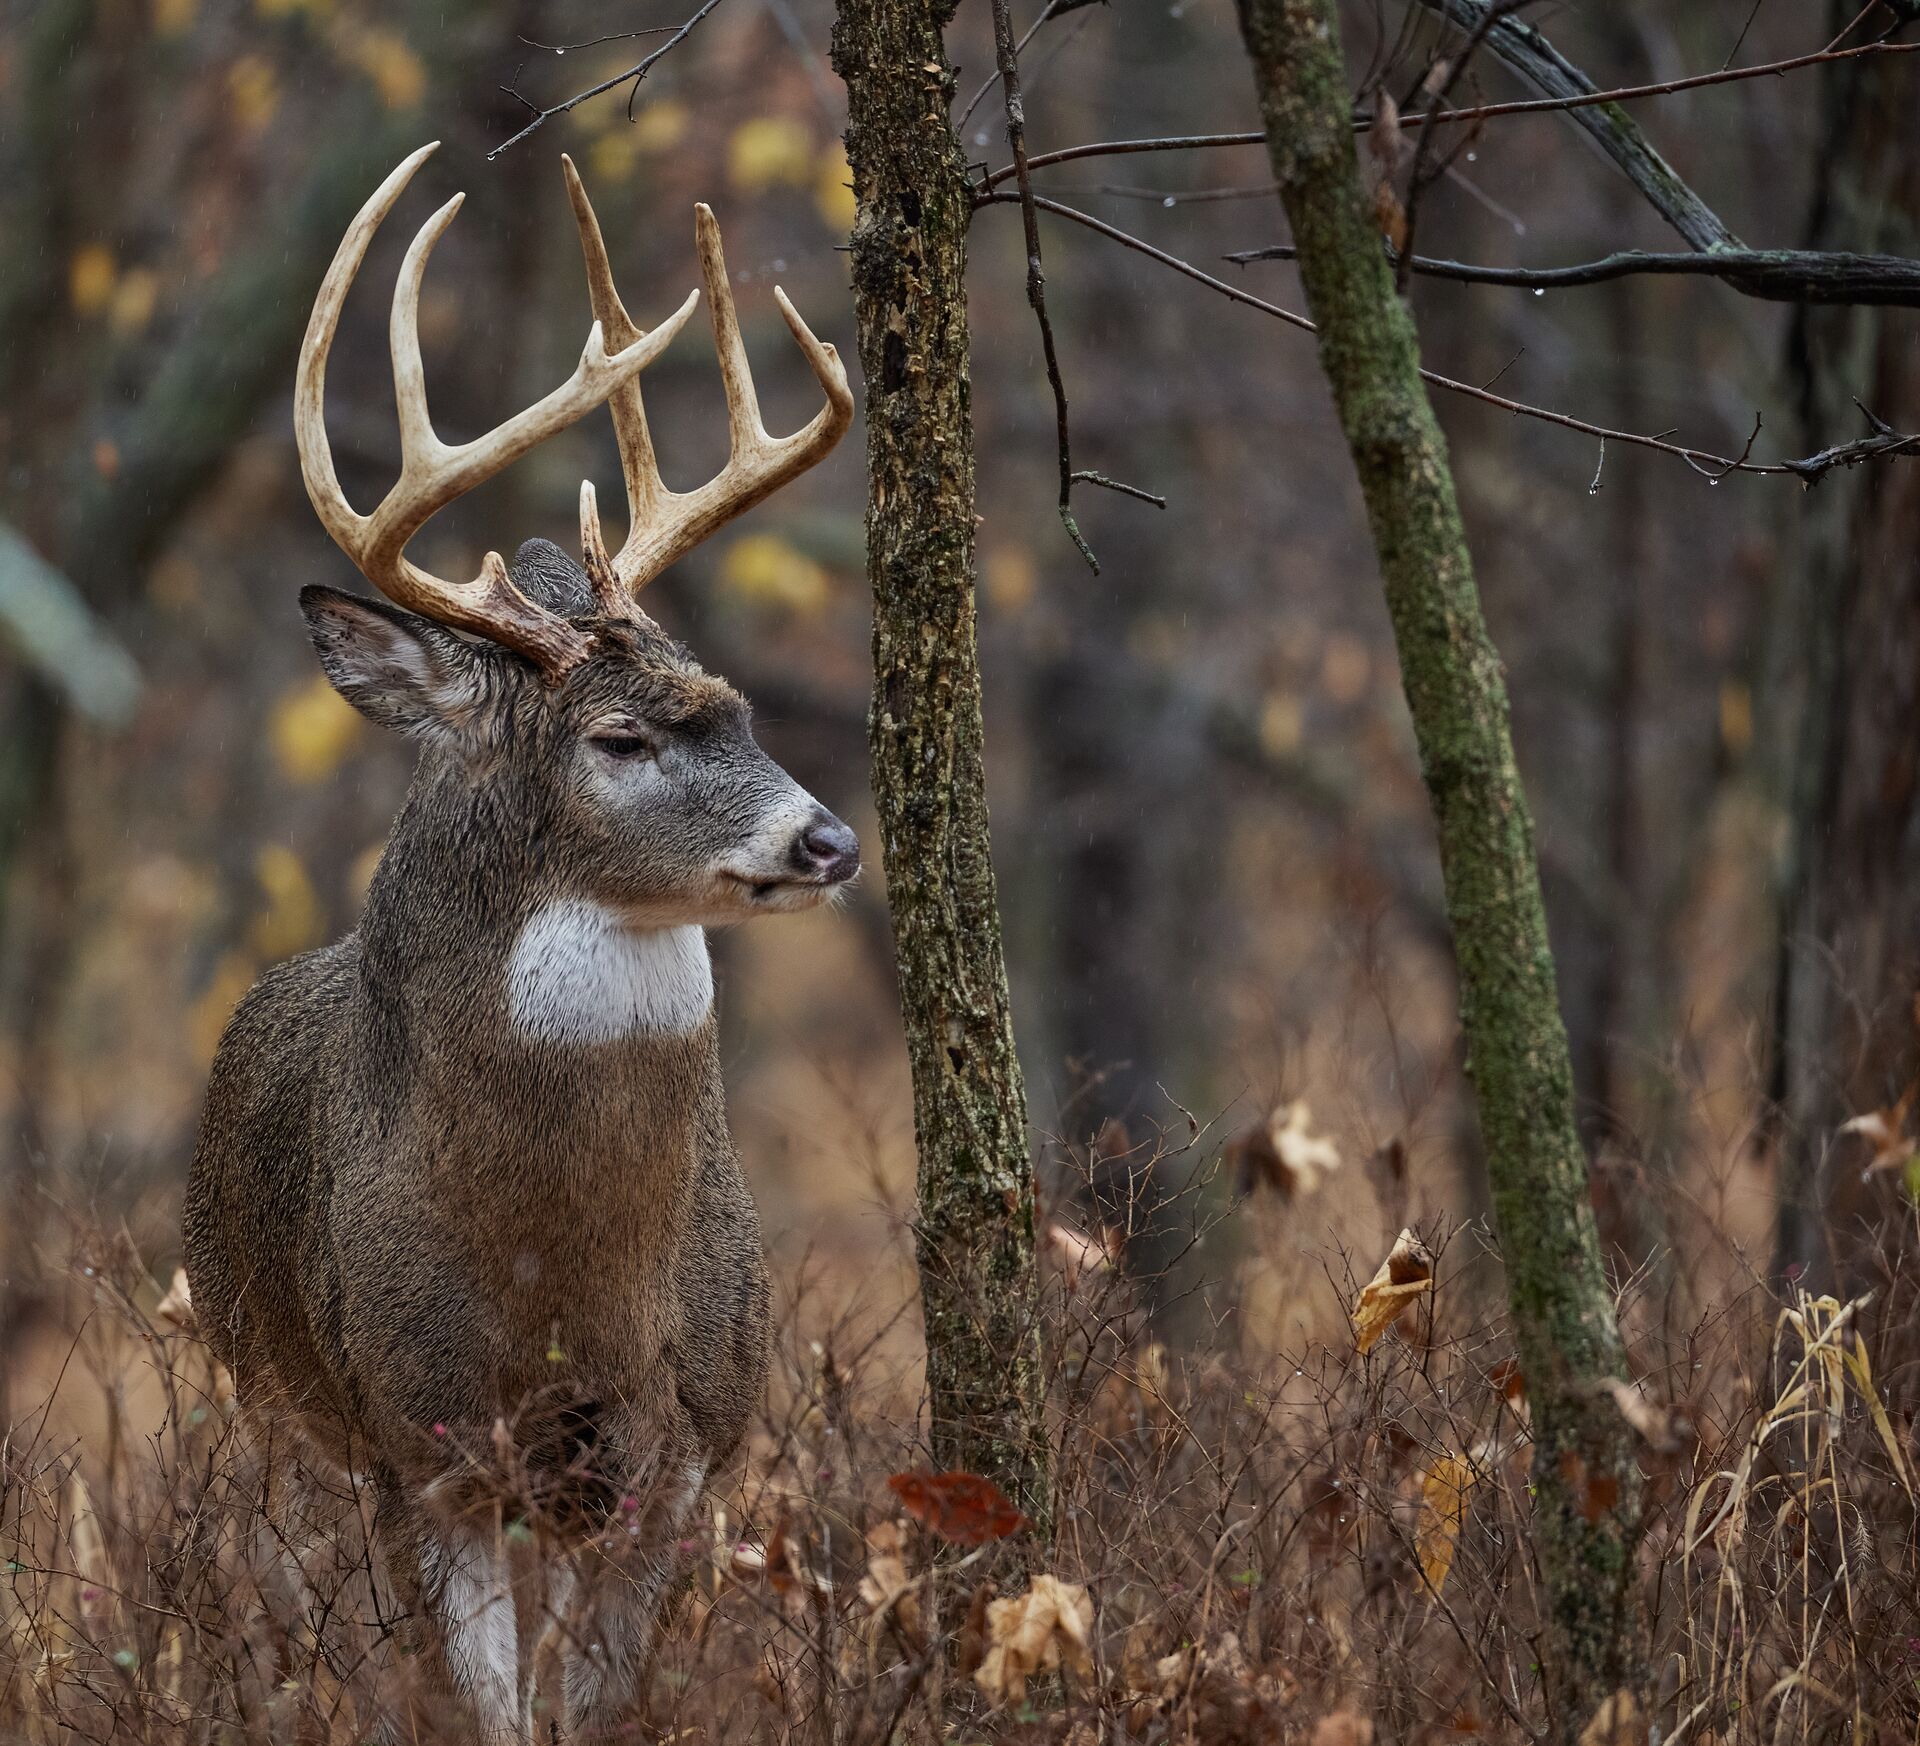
x,y
547,687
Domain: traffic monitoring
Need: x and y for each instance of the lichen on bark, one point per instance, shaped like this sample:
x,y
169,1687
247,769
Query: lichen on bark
x,y
1586,1479
974,1231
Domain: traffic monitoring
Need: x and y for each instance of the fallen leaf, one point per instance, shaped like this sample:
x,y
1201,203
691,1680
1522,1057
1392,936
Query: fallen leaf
x,y
1407,1273
962,1508
1047,1628
1443,1500
888,1586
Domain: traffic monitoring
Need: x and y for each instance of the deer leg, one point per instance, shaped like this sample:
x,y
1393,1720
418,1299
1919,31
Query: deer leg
x,y
457,1586
615,1622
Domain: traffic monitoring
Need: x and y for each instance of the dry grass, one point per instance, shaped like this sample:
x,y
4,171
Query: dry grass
x,y
1319,1545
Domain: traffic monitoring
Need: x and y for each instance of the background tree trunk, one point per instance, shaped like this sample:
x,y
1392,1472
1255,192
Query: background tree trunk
x,y
1846,675
1584,1468
975,1231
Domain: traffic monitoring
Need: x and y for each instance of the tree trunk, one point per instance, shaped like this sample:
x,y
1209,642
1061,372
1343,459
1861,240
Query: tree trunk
x,y
975,1228
1584,1470
1847,671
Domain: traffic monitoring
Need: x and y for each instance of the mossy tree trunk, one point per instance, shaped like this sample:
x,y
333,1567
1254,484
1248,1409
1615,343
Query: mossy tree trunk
x,y
1584,1468
975,1228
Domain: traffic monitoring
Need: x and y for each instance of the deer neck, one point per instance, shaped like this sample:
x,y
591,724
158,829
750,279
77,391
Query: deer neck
x,y
470,932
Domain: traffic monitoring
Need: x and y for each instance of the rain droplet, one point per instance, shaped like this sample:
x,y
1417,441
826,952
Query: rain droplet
x,y
779,266
559,51
1473,157
1168,201
980,138
1539,291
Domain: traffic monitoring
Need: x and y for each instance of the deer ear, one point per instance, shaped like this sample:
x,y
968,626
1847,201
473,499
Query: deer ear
x,y
395,667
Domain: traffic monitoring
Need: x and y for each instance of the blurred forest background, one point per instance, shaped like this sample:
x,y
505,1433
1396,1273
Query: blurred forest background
x,y
1215,856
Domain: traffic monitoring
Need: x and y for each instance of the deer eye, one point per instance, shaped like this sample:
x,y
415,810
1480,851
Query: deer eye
x,y
625,745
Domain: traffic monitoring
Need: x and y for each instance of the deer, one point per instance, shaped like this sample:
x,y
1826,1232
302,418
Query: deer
x,y
464,1186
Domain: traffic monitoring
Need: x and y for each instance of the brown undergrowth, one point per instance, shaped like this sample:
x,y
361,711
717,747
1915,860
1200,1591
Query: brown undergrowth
x,y
1326,1545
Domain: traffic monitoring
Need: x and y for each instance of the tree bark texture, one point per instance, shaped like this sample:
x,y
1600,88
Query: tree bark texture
x,y
975,1230
1847,675
1584,1468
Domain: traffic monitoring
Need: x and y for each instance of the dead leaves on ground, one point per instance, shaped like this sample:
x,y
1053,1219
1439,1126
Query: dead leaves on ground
x,y
1407,1273
1045,1630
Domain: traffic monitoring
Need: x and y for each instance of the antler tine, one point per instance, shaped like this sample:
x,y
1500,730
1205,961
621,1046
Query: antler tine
x,y
758,464
433,473
665,525
639,468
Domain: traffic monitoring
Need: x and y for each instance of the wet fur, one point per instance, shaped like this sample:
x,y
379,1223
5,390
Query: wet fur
x,y
406,1212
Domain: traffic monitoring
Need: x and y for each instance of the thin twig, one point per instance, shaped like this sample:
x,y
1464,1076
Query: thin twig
x,y
1884,442
1779,275
1485,112
1419,177
633,75
1052,10
1008,56
562,48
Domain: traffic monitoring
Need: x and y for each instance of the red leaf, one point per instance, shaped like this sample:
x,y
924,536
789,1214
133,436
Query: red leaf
x,y
961,1507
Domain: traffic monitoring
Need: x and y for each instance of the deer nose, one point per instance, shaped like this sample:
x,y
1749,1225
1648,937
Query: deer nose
x,y
828,850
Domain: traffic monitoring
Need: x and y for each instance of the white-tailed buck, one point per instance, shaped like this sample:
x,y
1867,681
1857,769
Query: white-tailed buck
x,y
465,1200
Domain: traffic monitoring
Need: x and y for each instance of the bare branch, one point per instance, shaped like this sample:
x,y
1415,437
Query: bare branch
x,y
1573,91
1885,441
1778,275
1052,10
633,75
1008,56
1419,177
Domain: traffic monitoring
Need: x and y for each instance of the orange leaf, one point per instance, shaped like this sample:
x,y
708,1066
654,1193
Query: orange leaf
x,y
961,1507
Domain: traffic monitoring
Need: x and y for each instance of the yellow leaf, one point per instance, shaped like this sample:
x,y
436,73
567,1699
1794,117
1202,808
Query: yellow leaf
x,y
133,300
386,57
1443,1498
833,189
1047,1628
311,730
173,17
90,278
612,157
253,91
1010,578
288,8
660,126
1736,717
291,920
765,569
767,150
1282,724
1406,1273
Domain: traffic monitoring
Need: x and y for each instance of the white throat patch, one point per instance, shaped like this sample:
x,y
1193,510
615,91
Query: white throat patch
x,y
579,974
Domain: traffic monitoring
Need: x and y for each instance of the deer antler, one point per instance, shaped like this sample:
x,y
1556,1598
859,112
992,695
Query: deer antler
x,y
433,473
665,525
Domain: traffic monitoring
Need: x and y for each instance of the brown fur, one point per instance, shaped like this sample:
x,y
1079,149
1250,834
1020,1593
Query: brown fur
x,y
406,1220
